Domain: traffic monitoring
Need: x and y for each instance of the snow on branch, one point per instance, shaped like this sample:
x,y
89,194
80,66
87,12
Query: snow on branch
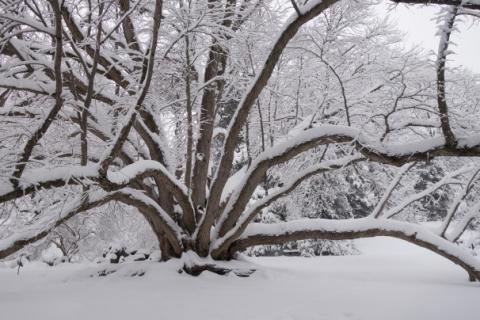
x,y
146,79
450,179
37,135
406,123
146,205
27,85
280,153
309,11
458,201
468,4
146,168
325,134
42,226
461,227
377,211
46,178
260,233
445,32
37,26
374,150
250,213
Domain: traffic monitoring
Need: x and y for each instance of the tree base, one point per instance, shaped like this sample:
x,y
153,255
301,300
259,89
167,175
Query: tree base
x,y
195,265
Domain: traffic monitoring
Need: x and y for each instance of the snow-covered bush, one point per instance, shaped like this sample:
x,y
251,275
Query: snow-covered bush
x,y
306,248
52,255
119,254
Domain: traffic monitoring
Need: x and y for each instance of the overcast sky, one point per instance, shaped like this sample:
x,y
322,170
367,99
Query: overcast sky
x,y
418,23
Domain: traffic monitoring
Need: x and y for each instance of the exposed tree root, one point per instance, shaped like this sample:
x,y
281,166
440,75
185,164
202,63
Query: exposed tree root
x,y
197,269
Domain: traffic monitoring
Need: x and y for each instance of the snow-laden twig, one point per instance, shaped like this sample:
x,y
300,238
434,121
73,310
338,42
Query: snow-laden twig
x,y
461,227
450,179
377,211
456,203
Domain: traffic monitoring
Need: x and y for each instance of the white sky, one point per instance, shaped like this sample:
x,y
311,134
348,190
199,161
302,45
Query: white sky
x,y
420,27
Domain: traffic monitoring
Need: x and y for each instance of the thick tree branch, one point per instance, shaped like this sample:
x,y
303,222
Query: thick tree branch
x,y
220,246
156,217
475,5
255,175
127,26
140,170
262,234
213,76
446,31
54,178
313,9
326,134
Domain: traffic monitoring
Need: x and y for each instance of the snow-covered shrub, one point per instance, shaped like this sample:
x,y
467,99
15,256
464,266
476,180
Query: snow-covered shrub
x,y
115,227
52,255
119,253
283,210
435,206
306,248
310,248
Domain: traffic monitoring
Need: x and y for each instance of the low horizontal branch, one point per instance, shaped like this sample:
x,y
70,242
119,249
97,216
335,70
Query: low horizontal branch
x,y
153,213
475,5
262,234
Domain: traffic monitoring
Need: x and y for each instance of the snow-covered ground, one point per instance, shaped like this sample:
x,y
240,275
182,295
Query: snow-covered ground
x,y
390,280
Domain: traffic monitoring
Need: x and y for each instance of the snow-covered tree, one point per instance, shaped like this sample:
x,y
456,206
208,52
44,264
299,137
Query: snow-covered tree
x,y
200,114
